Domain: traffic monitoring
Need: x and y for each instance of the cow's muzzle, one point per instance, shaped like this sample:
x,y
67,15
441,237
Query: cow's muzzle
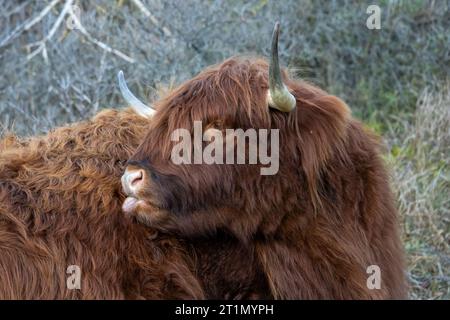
x,y
133,181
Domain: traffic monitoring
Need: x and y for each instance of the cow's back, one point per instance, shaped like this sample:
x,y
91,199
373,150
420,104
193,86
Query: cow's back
x,y
60,205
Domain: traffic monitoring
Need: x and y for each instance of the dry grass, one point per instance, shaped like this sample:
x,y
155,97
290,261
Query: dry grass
x,y
378,73
420,156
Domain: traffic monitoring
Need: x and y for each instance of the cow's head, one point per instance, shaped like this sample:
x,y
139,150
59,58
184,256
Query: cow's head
x,y
240,93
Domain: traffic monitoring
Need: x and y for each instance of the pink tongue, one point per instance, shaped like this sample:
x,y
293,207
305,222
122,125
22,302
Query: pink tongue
x,y
129,204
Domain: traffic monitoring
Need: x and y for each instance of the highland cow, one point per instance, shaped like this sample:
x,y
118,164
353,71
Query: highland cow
x,y
317,225
60,200
60,206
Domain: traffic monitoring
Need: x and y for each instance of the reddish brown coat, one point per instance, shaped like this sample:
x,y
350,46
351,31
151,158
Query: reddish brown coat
x,y
60,205
315,226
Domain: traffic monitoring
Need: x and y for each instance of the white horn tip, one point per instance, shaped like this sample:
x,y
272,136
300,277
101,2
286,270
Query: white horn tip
x,y
138,106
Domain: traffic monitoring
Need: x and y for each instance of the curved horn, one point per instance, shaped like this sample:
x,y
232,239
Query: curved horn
x,y
137,105
279,96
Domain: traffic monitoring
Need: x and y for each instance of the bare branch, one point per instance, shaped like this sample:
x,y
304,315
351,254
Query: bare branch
x,y
152,18
59,20
100,44
28,23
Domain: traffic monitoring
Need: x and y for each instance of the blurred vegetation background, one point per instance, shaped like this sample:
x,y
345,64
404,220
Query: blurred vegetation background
x,y
58,68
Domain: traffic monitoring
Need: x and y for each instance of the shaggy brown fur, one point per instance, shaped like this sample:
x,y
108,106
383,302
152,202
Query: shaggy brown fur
x,y
60,199
317,224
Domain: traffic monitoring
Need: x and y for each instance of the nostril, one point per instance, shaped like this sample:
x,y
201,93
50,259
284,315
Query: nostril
x,y
137,178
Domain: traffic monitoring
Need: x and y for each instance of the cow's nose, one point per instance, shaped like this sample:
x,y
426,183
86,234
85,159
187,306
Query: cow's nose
x,y
133,181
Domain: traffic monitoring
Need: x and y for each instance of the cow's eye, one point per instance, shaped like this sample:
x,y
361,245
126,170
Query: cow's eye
x,y
154,176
